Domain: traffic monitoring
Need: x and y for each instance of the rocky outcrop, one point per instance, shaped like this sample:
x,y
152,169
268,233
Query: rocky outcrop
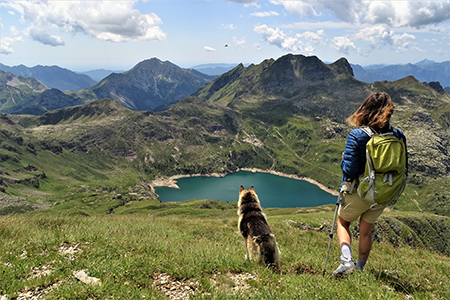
x,y
13,204
435,85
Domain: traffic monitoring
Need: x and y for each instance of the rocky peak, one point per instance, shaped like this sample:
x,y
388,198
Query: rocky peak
x,y
154,66
435,85
151,84
342,66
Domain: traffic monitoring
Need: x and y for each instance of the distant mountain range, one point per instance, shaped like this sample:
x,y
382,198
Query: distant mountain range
x,y
214,69
150,85
52,76
99,74
155,85
424,71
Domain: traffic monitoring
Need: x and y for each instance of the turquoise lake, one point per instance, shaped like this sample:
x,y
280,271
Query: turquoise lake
x,y
272,190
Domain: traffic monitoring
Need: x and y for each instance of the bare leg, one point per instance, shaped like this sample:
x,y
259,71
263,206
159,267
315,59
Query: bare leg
x,y
365,239
343,232
345,240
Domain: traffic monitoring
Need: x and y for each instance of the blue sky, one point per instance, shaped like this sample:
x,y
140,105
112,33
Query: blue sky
x,y
116,35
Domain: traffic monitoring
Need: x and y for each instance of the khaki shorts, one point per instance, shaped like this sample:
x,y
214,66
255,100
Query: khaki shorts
x,y
353,207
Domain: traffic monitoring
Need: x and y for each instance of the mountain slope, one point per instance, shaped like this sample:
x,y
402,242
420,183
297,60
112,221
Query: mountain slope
x,y
149,85
47,101
15,91
288,82
52,76
286,115
181,250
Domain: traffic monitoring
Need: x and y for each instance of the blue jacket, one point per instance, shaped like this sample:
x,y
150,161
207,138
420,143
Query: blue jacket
x,y
354,160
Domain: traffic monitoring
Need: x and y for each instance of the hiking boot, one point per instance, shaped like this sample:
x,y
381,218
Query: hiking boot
x,y
347,266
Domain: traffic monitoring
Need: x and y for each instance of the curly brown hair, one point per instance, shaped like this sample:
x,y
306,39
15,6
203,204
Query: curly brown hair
x,y
374,112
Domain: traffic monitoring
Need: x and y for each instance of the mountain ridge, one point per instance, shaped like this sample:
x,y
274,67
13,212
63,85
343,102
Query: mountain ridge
x,y
47,101
425,71
148,85
52,76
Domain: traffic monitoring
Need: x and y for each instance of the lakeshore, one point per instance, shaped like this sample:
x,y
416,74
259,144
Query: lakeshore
x,y
171,182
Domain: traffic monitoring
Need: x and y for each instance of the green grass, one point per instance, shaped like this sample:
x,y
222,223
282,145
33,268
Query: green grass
x,y
199,241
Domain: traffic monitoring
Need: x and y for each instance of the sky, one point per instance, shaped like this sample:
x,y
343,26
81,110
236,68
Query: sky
x,y
116,35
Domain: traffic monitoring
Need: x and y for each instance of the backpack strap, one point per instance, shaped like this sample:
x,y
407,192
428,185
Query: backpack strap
x,y
369,131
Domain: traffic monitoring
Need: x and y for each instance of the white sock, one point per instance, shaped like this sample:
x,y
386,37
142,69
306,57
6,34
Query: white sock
x,y
346,251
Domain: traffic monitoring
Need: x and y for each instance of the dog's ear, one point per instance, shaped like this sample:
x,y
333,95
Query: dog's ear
x,y
242,188
252,188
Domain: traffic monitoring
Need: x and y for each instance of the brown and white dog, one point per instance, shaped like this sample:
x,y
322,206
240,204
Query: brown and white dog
x,y
259,240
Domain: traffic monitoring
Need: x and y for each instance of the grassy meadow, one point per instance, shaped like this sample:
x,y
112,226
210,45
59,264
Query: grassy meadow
x,y
197,243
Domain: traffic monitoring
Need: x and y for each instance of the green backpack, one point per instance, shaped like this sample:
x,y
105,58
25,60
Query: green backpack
x,y
384,177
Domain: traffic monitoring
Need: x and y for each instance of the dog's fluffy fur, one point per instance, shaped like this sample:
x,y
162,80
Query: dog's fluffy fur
x,y
258,238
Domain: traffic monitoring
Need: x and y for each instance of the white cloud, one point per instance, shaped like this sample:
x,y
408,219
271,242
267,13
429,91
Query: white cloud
x,y
239,43
14,30
343,44
379,36
44,37
407,13
441,51
370,38
115,21
410,13
300,43
313,37
265,14
246,2
270,35
404,41
348,11
229,26
209,49
318,25
257,46
6,44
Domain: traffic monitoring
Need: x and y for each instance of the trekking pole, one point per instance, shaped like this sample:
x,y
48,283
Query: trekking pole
x,y
341,194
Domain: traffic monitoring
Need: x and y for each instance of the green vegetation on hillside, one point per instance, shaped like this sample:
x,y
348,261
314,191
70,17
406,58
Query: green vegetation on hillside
x,y
286,115
148,249
89,169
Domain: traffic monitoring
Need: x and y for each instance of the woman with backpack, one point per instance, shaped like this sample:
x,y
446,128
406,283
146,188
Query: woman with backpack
x,y
375,113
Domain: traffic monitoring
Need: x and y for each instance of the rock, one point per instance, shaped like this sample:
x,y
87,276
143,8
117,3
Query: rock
x,y
83,277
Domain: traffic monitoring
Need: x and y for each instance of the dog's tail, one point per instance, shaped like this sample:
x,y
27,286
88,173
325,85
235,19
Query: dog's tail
x,y
270,253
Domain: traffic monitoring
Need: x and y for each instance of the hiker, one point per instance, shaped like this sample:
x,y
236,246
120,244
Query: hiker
x,y
375,112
